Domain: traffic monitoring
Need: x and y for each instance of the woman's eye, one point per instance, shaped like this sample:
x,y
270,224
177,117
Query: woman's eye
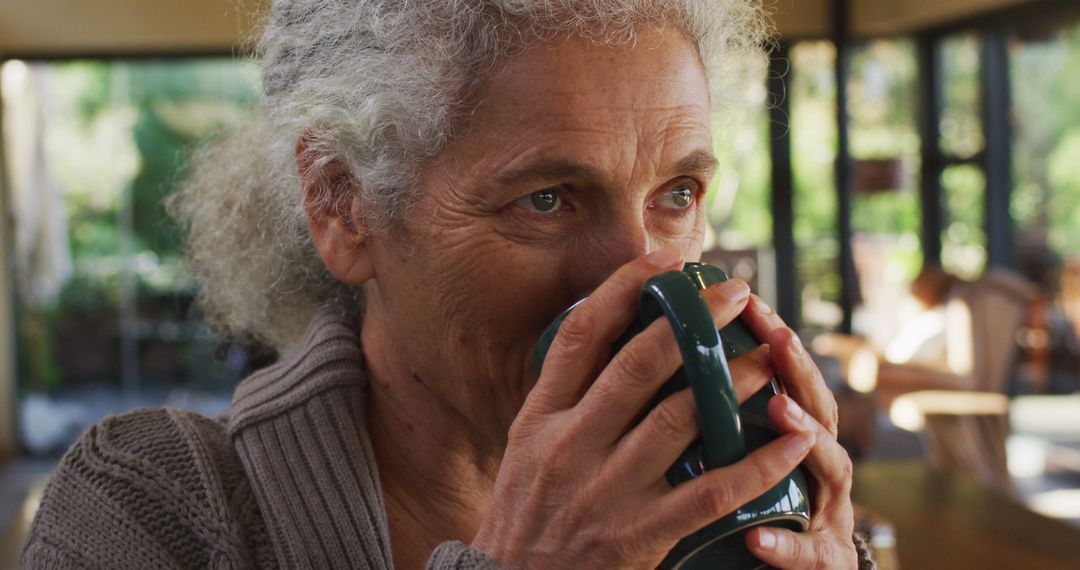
x,y
542,201
679,197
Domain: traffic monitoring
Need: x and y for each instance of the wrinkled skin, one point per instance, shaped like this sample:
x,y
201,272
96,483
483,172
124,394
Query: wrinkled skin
x,y
578,162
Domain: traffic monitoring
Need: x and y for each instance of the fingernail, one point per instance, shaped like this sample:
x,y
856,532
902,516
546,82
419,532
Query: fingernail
x,y
734,290
766,539
763,354
798,444
797,347
793,411
761,306
665,257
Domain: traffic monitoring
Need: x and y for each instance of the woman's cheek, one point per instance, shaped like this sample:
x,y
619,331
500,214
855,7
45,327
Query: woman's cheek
x,y
684,231
528,228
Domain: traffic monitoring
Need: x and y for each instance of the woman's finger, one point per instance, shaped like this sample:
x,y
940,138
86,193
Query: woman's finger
x,y
636,372
751,371
828,462
669,428
781,548
794,366
828,543
802,379
694,504
586,335
630,381
646,453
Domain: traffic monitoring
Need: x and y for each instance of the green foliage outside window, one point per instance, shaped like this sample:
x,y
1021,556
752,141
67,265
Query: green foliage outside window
x,y
117,134
1045,75
883,110
812,89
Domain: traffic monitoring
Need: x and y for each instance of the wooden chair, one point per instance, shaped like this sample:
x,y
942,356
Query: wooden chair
x,y
962,410
965,432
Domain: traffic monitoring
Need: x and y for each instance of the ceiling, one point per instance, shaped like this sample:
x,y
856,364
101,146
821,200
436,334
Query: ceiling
x,y
65,28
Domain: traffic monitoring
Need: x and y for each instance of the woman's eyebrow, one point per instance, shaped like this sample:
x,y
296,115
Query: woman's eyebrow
x,y
549,170
698,161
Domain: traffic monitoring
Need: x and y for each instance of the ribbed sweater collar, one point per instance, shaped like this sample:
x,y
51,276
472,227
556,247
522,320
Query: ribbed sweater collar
x,y
298,428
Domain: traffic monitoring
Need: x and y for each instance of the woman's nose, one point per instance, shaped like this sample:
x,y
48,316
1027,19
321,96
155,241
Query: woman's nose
x,y
625,242
609,247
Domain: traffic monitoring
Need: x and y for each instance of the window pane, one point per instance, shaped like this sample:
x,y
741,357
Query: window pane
x,y
886,213
963,243
1046,92
812,88
739,210
1045,81
105,318
961,124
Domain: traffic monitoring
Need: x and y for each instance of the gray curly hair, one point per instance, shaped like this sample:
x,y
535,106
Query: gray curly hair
x,y
379,85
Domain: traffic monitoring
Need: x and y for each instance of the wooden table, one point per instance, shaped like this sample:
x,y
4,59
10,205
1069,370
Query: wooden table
x,y
1053,421
946,521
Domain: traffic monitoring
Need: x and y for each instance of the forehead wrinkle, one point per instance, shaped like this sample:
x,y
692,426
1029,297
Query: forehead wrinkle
x,y
652,153
541,153
614,118
627,138
683,146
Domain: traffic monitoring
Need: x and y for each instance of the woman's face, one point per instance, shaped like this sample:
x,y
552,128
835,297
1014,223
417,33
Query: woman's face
x,y
578,159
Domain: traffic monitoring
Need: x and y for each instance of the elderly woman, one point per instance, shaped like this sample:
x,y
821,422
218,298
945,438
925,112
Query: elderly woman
x,y
427,185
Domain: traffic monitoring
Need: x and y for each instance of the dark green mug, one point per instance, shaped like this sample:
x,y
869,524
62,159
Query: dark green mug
x,y
729,431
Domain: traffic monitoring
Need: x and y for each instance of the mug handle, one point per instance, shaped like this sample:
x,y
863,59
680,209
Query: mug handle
x,y
736,337
675,296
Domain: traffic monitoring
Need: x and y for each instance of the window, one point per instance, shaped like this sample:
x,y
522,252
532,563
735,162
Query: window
x,y
739,212
961,138
104,308
812,88
886,213
1045,203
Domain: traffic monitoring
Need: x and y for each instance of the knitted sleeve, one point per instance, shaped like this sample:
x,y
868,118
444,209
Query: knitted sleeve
x,y
138,490
455,555
866,554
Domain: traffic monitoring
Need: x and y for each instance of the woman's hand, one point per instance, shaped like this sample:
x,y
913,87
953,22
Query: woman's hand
x,y
828,543
581,485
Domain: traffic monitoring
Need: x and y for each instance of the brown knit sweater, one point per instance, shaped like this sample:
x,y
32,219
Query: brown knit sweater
x,y
285,479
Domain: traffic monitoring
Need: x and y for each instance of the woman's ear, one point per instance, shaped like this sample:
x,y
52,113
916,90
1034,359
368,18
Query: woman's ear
x,y
334,211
